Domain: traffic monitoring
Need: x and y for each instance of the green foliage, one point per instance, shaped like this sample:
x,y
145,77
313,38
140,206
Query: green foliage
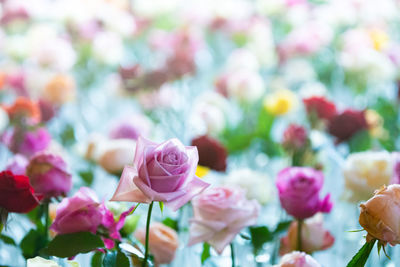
x,y
87,176
32,244
362,255
361,141
171,223
206,253
97,259
7,240
115,259
69,245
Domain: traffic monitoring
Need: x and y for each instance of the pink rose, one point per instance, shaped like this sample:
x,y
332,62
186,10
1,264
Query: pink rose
x,y
78,213
314,236
17,164
27,143
163,242
48,175
161,172
298,259
299,192
219,215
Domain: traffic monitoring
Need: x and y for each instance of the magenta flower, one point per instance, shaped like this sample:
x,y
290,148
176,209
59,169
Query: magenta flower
x,y
299,189
78,213
161,172
27,143
48,175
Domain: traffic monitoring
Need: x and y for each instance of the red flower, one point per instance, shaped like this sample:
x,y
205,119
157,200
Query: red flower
x,y
16,193
343,126
294,137
212,153
320,106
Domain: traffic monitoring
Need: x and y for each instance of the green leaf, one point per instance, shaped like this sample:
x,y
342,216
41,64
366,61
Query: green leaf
x,y
161,204
116,259
282,227
87,176
32,243
68,135
361,141
171,223
259,236
265,123
69,245
7,240
362,255
97,259
206,252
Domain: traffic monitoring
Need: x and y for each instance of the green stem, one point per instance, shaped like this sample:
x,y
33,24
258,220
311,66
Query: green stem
x,y
46,221
233,255
146,252
299,226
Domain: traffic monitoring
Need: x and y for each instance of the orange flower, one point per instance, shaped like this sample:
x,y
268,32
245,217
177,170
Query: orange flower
x,y
24,108
380,215
60,89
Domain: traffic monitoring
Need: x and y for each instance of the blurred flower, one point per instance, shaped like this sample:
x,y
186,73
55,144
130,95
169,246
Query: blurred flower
x,y
113,155
245,86
375,124
163,242
78,213
101,48
280,103
161,172
3,120
212,153
131,127
347,123
17,164
48,175
47,110
41,262
24,108
380,215
256,184
299,189
298,259
26,143
314,236
319,106
219,215
365,172
294,137
396,168
164,97
59,90
16,193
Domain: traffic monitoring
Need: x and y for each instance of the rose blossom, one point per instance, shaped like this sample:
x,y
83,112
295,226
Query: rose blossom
x,y
113,155
320,106
294,137
78,213
26,143
163,242
212,153
380,215
299,192
132,128
161,172
298,259
219,215
16,193
48,175
344,125
365,172
314,236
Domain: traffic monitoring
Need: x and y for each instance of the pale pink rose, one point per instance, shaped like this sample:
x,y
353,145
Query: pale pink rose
x,y
219,215
314,236
78,213
17,164
161,172
163,242
380,215
298,259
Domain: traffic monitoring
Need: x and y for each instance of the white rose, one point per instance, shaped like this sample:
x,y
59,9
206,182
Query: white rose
x,y
365,172
108,48
245,86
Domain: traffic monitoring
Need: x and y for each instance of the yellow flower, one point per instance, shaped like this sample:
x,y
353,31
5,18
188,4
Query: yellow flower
x,y
202,171
375,122
379,39
280,103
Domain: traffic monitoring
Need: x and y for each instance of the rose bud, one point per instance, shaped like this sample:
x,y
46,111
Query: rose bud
x,y
344,125
78,213
298,259
163,242
219,215
161,172
48,175
314,236
16,193
320,107
380,215
17,164
212,153
365,172
299,189
294,137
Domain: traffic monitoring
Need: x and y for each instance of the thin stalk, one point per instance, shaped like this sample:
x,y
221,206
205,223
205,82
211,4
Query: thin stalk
x,y
146,252
299,226
46,221
233,255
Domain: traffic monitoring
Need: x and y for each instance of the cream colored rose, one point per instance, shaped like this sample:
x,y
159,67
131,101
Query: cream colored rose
x,y
380,215
365,172
113,155
40,262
